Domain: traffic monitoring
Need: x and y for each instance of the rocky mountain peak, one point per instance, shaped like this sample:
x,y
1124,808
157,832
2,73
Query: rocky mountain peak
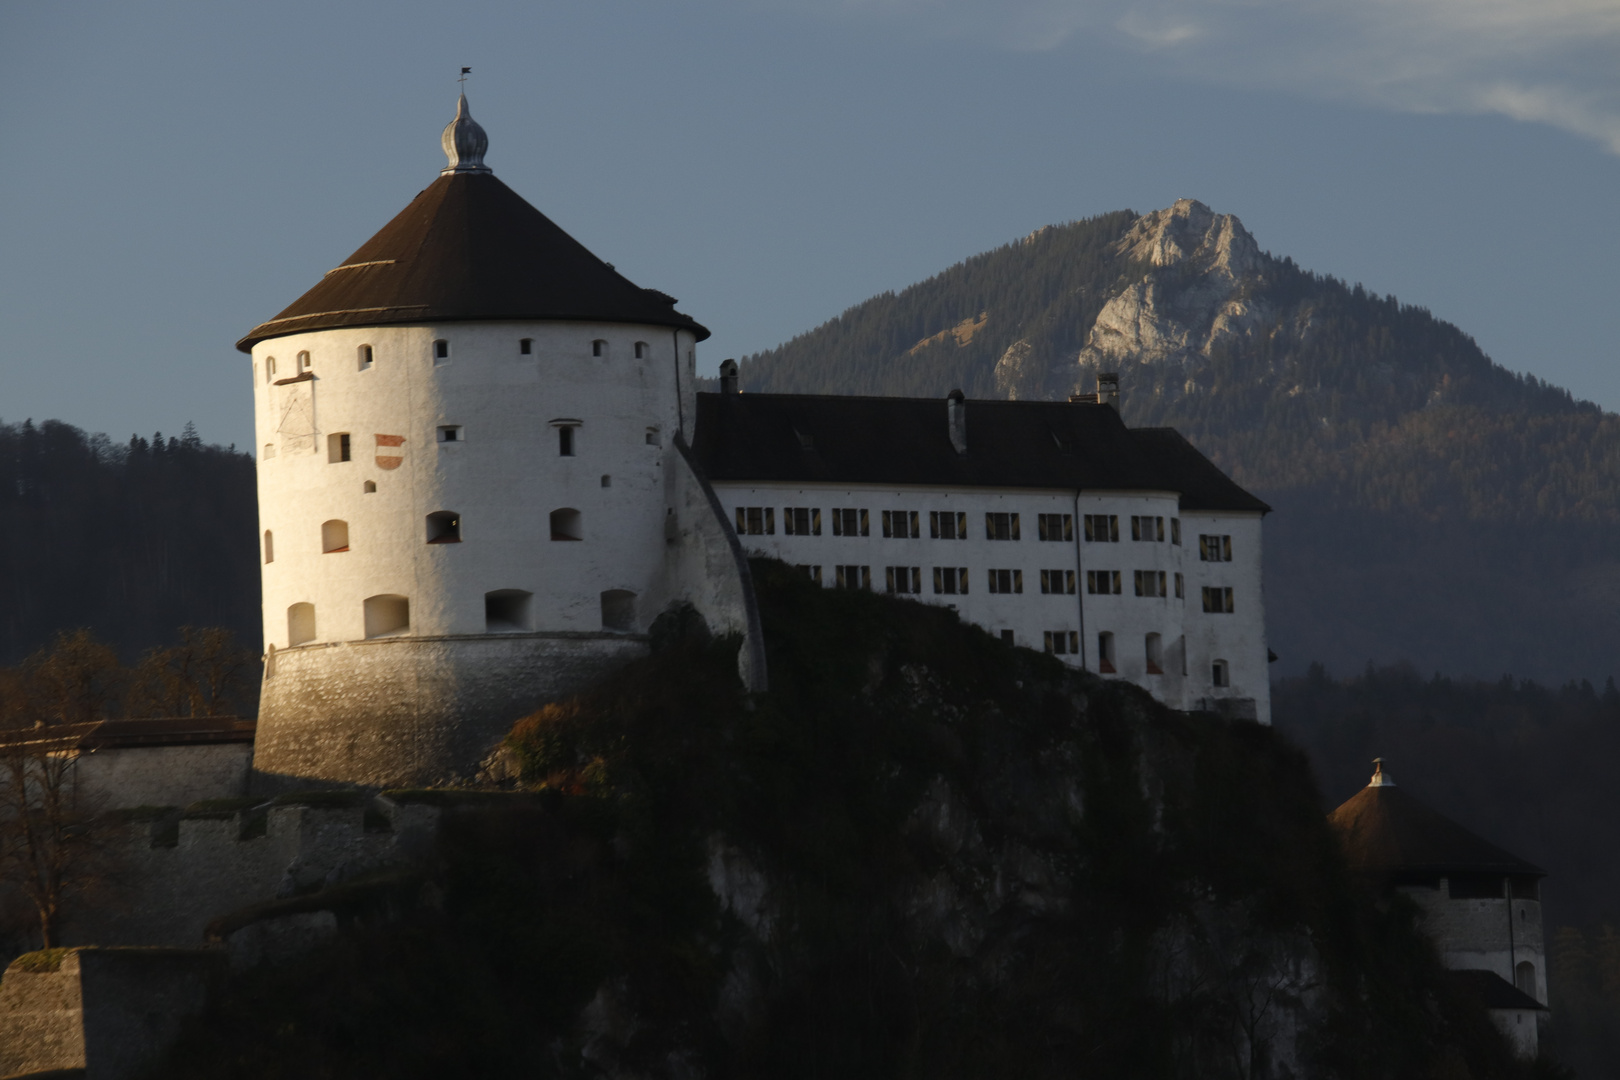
x,y
1189,230
1194,295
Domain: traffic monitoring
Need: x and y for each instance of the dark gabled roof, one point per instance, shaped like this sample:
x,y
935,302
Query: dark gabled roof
x,y
469,247
815,438
1202,485
1387,832
1493,991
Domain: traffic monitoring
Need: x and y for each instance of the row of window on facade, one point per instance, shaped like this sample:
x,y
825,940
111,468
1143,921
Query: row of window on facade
x,y
443,527
340,444
1220,673
953,525
366,355
506,611
953,581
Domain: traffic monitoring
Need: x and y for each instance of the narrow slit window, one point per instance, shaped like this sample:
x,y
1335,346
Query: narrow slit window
x,y
441,351
1220,674
526,346
303,362
337,447
269,368
1105,653
642,351
365,357
1154,654
565,441
269,546
599,347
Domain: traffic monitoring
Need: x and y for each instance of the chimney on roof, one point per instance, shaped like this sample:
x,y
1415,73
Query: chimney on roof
x,y
1379,777
728,376
956,415
1108,389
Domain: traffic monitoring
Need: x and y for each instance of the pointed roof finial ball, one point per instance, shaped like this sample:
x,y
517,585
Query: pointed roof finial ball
x,y
464,143
1380,778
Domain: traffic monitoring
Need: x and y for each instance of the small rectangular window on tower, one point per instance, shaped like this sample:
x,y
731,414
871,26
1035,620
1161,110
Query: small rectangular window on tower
x,y
1215,548
947,524
998,526
450,433
900,524
903,579
851,523
801,520
1102,528
853,577
756,521
337,447
1056,526
565,441
526,347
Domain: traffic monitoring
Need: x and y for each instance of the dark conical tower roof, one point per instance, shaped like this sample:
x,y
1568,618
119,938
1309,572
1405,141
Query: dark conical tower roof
x,y
1389,832
470,248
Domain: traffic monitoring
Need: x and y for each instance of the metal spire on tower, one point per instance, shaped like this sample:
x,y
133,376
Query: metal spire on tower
x,y
464,140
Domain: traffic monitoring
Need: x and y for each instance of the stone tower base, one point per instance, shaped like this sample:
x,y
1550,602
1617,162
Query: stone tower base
x,y
411,711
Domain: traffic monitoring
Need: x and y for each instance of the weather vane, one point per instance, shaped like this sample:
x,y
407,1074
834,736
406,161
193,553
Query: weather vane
x,y
464,73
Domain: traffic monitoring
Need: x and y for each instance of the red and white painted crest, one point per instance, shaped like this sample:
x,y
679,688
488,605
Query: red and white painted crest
x,y
390,461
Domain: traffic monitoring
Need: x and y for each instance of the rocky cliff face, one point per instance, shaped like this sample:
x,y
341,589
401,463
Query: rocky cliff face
x,y
923,853
1195,281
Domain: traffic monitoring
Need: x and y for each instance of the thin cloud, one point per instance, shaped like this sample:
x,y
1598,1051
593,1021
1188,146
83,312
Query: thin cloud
x,y
1547,62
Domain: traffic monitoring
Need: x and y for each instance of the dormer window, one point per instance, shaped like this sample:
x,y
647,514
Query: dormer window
x,y
364,355
526,347
642,350
599,347
303,362
441,351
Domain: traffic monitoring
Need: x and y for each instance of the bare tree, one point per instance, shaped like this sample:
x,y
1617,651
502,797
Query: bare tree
x,y
206,674
51,847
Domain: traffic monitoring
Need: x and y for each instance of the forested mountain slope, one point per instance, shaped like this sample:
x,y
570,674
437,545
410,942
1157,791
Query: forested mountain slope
x,y
132,540
1430,505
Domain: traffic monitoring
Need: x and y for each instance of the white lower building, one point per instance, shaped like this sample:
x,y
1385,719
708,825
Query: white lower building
x,y
1051,524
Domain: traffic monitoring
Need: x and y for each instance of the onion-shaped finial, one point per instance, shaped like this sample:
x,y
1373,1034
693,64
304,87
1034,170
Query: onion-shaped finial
x,y
464,143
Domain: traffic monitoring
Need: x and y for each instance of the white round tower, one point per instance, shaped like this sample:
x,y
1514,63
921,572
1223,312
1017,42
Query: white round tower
x,y
466,434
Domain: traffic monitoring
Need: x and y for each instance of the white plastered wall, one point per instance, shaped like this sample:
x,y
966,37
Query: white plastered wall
x,y
503,476
1239,637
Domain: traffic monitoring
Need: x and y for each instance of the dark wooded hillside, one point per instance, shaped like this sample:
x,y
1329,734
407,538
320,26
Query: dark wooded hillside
x,y
131,540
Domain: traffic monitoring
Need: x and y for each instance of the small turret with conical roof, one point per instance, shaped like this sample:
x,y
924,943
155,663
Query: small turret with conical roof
x,y
1481,904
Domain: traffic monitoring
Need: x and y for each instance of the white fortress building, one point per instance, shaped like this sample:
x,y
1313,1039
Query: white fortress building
x,y
484,471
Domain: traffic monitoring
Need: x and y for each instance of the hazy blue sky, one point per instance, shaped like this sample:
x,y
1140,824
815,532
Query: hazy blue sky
x,y
176,172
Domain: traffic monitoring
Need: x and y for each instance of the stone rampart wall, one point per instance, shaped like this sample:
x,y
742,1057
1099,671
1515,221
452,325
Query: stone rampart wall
x,y
168,879
410,711
166,775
